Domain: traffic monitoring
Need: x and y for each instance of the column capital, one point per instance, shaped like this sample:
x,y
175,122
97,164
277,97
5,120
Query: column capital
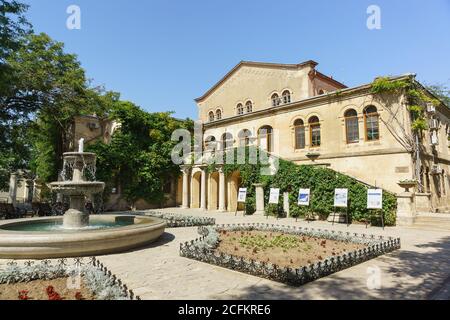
x,y
220,169
185,169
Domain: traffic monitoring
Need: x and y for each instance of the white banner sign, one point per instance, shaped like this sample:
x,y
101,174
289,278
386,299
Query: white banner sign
x,y
242,196
375,199
303,197
341,198
274,197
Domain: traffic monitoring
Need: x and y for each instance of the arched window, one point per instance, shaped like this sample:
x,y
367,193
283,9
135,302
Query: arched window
x,y
211,116
244,138
210,143
286,96
371,123
320,92
227,141
299,128
240,109
314,132
249,106
351,126
275,100
218,114
265,138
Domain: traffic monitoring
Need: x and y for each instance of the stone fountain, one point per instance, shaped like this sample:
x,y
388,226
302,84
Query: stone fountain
x,y
77,234
79,164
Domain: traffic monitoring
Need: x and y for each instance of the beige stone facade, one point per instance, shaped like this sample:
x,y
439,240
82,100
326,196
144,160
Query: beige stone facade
x,y
306,112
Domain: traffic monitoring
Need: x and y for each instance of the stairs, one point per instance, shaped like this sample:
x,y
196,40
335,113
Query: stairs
x,y
432,222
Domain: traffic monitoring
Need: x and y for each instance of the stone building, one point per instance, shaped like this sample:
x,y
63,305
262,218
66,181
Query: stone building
x,y
299,114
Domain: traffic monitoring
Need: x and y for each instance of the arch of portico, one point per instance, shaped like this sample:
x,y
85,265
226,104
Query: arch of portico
x,y
209,190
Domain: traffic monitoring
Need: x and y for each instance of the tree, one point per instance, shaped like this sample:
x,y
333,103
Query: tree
x,y
442,92
139,155
50,88
13,146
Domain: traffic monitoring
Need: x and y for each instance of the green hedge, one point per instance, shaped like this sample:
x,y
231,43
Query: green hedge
x,y
322,182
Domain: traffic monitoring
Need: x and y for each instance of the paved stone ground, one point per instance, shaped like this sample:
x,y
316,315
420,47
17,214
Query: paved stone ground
x,y
420,270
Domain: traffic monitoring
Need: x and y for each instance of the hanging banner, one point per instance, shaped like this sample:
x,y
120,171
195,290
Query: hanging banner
x,y
274,197
303,197
242,196
341,198
375,199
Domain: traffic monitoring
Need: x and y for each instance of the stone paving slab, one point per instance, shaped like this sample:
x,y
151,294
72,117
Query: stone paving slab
x,y
420,270
158,272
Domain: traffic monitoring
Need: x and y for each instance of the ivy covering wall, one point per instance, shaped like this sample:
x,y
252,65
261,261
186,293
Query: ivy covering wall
x,y
322,181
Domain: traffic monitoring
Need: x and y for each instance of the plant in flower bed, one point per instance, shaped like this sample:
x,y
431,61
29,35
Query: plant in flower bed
x,y
286,254
46,281
178,221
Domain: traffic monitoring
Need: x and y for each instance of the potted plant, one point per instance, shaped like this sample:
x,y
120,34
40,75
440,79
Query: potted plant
x,y
407,184
313,156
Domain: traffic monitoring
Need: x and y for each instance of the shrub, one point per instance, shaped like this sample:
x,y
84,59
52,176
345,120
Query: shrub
x,y
290,177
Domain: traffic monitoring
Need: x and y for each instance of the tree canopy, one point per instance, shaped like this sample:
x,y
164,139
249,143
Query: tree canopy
x,y
43,88
147,137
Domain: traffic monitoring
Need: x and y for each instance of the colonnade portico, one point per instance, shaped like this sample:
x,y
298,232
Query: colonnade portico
x,y
206,190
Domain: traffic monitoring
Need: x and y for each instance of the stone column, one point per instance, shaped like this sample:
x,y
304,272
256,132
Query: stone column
x,y
406,210
203,190
259,199
222,187
13,188
286,203
185,202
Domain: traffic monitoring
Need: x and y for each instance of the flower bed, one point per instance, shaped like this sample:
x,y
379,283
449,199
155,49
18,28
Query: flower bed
x,y
96,282
179,221
205,249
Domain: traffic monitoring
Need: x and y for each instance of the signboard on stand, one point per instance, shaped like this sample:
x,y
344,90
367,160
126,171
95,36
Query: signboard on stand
x,y
242,196
341,198
274,197
304,197
375,199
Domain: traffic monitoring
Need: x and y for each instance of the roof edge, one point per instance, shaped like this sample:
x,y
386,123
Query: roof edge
x,y
254,63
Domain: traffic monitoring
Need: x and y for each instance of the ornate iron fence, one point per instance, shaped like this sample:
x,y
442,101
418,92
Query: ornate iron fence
x,y
179,221
203,249
98,278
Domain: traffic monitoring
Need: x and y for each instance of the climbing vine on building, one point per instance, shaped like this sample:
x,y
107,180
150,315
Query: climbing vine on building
x,y
322,181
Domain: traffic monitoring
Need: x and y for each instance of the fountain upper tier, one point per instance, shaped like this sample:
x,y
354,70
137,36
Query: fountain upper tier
x,y
86,157
79,162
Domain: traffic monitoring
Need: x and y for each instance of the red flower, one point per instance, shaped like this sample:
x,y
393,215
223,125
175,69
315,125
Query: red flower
x,y
23,295
52,294
78,296
50,290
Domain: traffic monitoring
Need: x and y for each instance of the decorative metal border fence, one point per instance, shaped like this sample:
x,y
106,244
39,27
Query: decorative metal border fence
x,y
203,249
97,276
179,221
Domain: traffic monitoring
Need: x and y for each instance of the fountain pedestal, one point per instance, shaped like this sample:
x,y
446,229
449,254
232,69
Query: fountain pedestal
x,y
76,217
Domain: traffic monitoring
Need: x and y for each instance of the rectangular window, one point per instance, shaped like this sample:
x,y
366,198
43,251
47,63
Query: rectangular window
x,y
315,135
372,128
300,137
352,129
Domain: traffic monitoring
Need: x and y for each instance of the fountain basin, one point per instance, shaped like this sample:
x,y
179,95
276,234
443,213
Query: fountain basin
x,y
75,188
45,238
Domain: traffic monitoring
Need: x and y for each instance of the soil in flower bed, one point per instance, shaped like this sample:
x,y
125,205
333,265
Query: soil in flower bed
x,y
284,250
44,290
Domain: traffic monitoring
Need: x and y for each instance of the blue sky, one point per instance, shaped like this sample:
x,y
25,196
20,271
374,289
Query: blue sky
x,y
161,54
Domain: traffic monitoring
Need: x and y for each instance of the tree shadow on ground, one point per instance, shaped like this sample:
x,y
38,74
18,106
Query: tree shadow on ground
x,y
428,268
405,274
165,239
